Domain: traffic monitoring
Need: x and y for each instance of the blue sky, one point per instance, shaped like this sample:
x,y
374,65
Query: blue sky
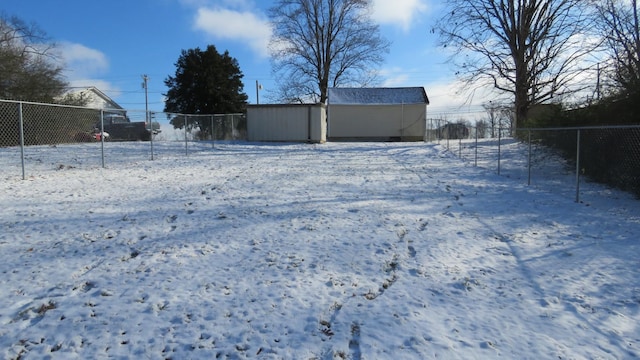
x,y
111,44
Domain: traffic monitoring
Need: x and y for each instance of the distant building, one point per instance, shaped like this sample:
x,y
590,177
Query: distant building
x,y
377,114
287,122
453,131
97,99
352,114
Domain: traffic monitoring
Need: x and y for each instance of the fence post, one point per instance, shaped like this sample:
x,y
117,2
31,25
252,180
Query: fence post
x,y
476,152
402,121
433,135
186,141
102,136
578,168
21,126
150,122
448,148
529,160
499,149
213,134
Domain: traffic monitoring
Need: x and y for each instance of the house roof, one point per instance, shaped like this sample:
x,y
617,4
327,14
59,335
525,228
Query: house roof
x,y
377,96
106,98
98,99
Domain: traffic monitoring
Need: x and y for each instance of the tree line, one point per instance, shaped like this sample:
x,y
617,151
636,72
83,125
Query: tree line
x,y
531,52
557,53
29,66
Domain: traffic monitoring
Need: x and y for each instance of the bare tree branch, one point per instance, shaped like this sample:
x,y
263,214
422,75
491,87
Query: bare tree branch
x,y
319,44
28,63
619,22
530,49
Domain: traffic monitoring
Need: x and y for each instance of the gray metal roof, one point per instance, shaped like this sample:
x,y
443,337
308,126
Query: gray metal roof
x,y
375,96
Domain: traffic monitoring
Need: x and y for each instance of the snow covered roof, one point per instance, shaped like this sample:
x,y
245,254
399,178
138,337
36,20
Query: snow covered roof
x,y
371,96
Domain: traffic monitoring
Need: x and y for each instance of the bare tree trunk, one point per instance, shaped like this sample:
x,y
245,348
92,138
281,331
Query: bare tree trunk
x,y
529,49
319,44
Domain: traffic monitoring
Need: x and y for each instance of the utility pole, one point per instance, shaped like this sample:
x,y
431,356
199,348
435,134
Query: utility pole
x,y
145,81
258,88
147,121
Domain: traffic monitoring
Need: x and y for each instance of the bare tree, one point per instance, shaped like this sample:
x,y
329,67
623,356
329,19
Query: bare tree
x,y
530,49
482,127
29,68
493,112
319,44
500,117
618,21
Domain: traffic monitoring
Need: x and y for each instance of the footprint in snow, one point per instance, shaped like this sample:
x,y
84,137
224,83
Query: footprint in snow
x,y
412,251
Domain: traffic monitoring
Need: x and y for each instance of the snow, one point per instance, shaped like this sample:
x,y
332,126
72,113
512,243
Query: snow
x,y
377,96
302,251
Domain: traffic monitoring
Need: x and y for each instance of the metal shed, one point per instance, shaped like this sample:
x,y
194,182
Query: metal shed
x,y
376,114
287,122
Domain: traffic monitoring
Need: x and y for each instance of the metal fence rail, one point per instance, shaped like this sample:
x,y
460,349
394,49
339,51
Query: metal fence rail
x,y
604,154
31,132
563,157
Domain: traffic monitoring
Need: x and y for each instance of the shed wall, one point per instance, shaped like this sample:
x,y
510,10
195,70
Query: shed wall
x,y
405,122
289,123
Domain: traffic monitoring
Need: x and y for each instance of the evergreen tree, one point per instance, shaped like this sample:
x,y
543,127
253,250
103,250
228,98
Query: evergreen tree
x,y
205,82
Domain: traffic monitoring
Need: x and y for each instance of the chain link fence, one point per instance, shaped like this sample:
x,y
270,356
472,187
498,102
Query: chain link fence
x,y
35,138
558,159
32,136
608,155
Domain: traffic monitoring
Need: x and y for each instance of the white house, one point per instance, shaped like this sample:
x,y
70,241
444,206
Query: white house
x,y
97,99
380,114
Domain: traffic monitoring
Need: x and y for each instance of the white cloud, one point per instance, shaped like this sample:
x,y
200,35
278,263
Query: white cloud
x,y
449,97
84,66
102,85
244,4
455,100
236,4
242,26
81,61
400,13
395,77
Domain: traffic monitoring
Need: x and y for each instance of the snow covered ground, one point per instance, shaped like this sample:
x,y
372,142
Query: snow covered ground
x,y
299,251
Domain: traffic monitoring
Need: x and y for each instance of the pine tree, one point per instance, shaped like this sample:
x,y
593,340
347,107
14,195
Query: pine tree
x,y
205,82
